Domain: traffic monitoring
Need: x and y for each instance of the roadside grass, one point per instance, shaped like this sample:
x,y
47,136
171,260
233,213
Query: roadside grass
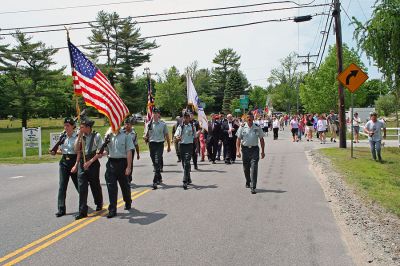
x,y
379,182
11,139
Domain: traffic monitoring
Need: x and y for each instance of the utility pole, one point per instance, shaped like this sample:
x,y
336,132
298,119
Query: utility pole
x,y
308,63
339,50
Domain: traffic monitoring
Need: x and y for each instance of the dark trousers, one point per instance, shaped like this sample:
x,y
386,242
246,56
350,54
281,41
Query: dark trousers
x,y
66,164
195,151
212,146
156,153
251,156
229,149
276,130
115,172
86,178
186,154
177,150
219,147
130,175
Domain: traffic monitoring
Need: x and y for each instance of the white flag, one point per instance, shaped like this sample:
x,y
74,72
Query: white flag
x,y
194,100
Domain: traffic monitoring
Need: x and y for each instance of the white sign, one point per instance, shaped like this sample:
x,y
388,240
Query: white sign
x,y
31,138
54,137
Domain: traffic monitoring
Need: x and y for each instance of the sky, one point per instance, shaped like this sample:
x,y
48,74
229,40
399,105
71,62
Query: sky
x,y
261,46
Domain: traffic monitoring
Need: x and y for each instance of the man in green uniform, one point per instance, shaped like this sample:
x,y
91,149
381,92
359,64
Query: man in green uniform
x,y
130,131
88,167
185,134
155,134
247,141
118,168
68,164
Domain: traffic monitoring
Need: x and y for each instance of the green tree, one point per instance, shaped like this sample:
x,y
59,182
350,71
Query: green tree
x,y
121,43
202,82
226,61
374,88
319,91
234,88
379,37
171,93
283,81
29,66
385,104
257,96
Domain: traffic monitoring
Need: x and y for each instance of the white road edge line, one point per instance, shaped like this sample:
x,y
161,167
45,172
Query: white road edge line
x,y
16,177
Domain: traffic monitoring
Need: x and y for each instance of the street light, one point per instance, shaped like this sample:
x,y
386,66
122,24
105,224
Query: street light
x,y
302,18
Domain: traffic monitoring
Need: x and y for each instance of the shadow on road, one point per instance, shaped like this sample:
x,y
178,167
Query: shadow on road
x,y
136,216
209,171
270,191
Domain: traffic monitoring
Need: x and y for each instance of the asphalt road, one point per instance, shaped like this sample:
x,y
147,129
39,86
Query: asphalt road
x,y
215,222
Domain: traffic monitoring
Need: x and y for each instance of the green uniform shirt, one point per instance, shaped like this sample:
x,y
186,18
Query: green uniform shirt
x,y
68,146
158,131
119,145
133,135
249,135
186,132
98,141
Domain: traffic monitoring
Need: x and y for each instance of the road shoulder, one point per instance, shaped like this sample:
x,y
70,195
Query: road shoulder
x,y
370,232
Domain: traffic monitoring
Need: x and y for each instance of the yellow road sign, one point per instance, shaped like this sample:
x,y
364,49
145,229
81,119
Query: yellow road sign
x,y
352,77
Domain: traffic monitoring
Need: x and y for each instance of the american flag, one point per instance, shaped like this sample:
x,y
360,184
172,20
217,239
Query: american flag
x,y
150,100
95,88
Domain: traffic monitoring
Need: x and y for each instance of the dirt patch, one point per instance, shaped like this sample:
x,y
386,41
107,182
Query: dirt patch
x,y
371,233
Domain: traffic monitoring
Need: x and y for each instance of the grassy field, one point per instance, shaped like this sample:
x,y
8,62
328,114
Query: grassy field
x,y
379,182
11,139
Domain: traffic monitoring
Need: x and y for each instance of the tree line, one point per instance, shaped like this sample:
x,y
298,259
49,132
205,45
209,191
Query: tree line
x,y
31,85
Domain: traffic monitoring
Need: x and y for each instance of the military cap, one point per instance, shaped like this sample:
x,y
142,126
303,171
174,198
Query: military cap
x,y
129,120
69,120
156,110
87,122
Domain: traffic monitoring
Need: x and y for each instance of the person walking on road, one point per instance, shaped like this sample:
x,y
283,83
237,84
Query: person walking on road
x,y
68,164
88,167
309,127
118,168
332,124
294,127
130,131
322,126
213,138
247,141
176,142
373,128
229,129
356,127
185,134
156,133
275,127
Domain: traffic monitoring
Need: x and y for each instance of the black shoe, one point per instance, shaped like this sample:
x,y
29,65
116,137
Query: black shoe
x,y
213,162
195,167
247,185
111,214
99,208
80,216
154,185
184,186
189,181
161,170
227,162
128,207
253,191
218,159
60,213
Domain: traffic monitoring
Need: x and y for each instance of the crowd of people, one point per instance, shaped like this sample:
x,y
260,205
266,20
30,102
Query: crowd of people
x,y
225,139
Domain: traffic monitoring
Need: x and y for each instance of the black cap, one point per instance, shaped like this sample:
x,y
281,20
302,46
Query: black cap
x,y
70,121
187,113
87,122
156,110
129,120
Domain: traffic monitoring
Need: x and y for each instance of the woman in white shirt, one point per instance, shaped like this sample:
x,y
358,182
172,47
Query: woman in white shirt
x,y
275,127
356,127
322,125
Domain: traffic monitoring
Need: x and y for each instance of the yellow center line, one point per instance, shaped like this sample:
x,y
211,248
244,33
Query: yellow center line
x,y
87,220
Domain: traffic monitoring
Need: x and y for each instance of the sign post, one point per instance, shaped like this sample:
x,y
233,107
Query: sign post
x,y
31,138
244,102
352,78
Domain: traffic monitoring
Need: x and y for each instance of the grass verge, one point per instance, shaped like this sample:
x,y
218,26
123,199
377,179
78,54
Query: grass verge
x,y
378,181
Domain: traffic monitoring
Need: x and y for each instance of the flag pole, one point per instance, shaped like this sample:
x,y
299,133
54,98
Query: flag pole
x,y
78,113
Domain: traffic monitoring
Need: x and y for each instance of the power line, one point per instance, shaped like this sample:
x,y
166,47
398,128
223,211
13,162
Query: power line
x,y
195,31
174,19
318,29
72,7
325,33
160,14
326,40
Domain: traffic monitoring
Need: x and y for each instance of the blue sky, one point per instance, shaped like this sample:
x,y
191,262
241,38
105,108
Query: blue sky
x,y
260,46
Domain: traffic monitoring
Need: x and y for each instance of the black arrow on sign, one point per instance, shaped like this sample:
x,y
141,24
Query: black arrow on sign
x,y
353,73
